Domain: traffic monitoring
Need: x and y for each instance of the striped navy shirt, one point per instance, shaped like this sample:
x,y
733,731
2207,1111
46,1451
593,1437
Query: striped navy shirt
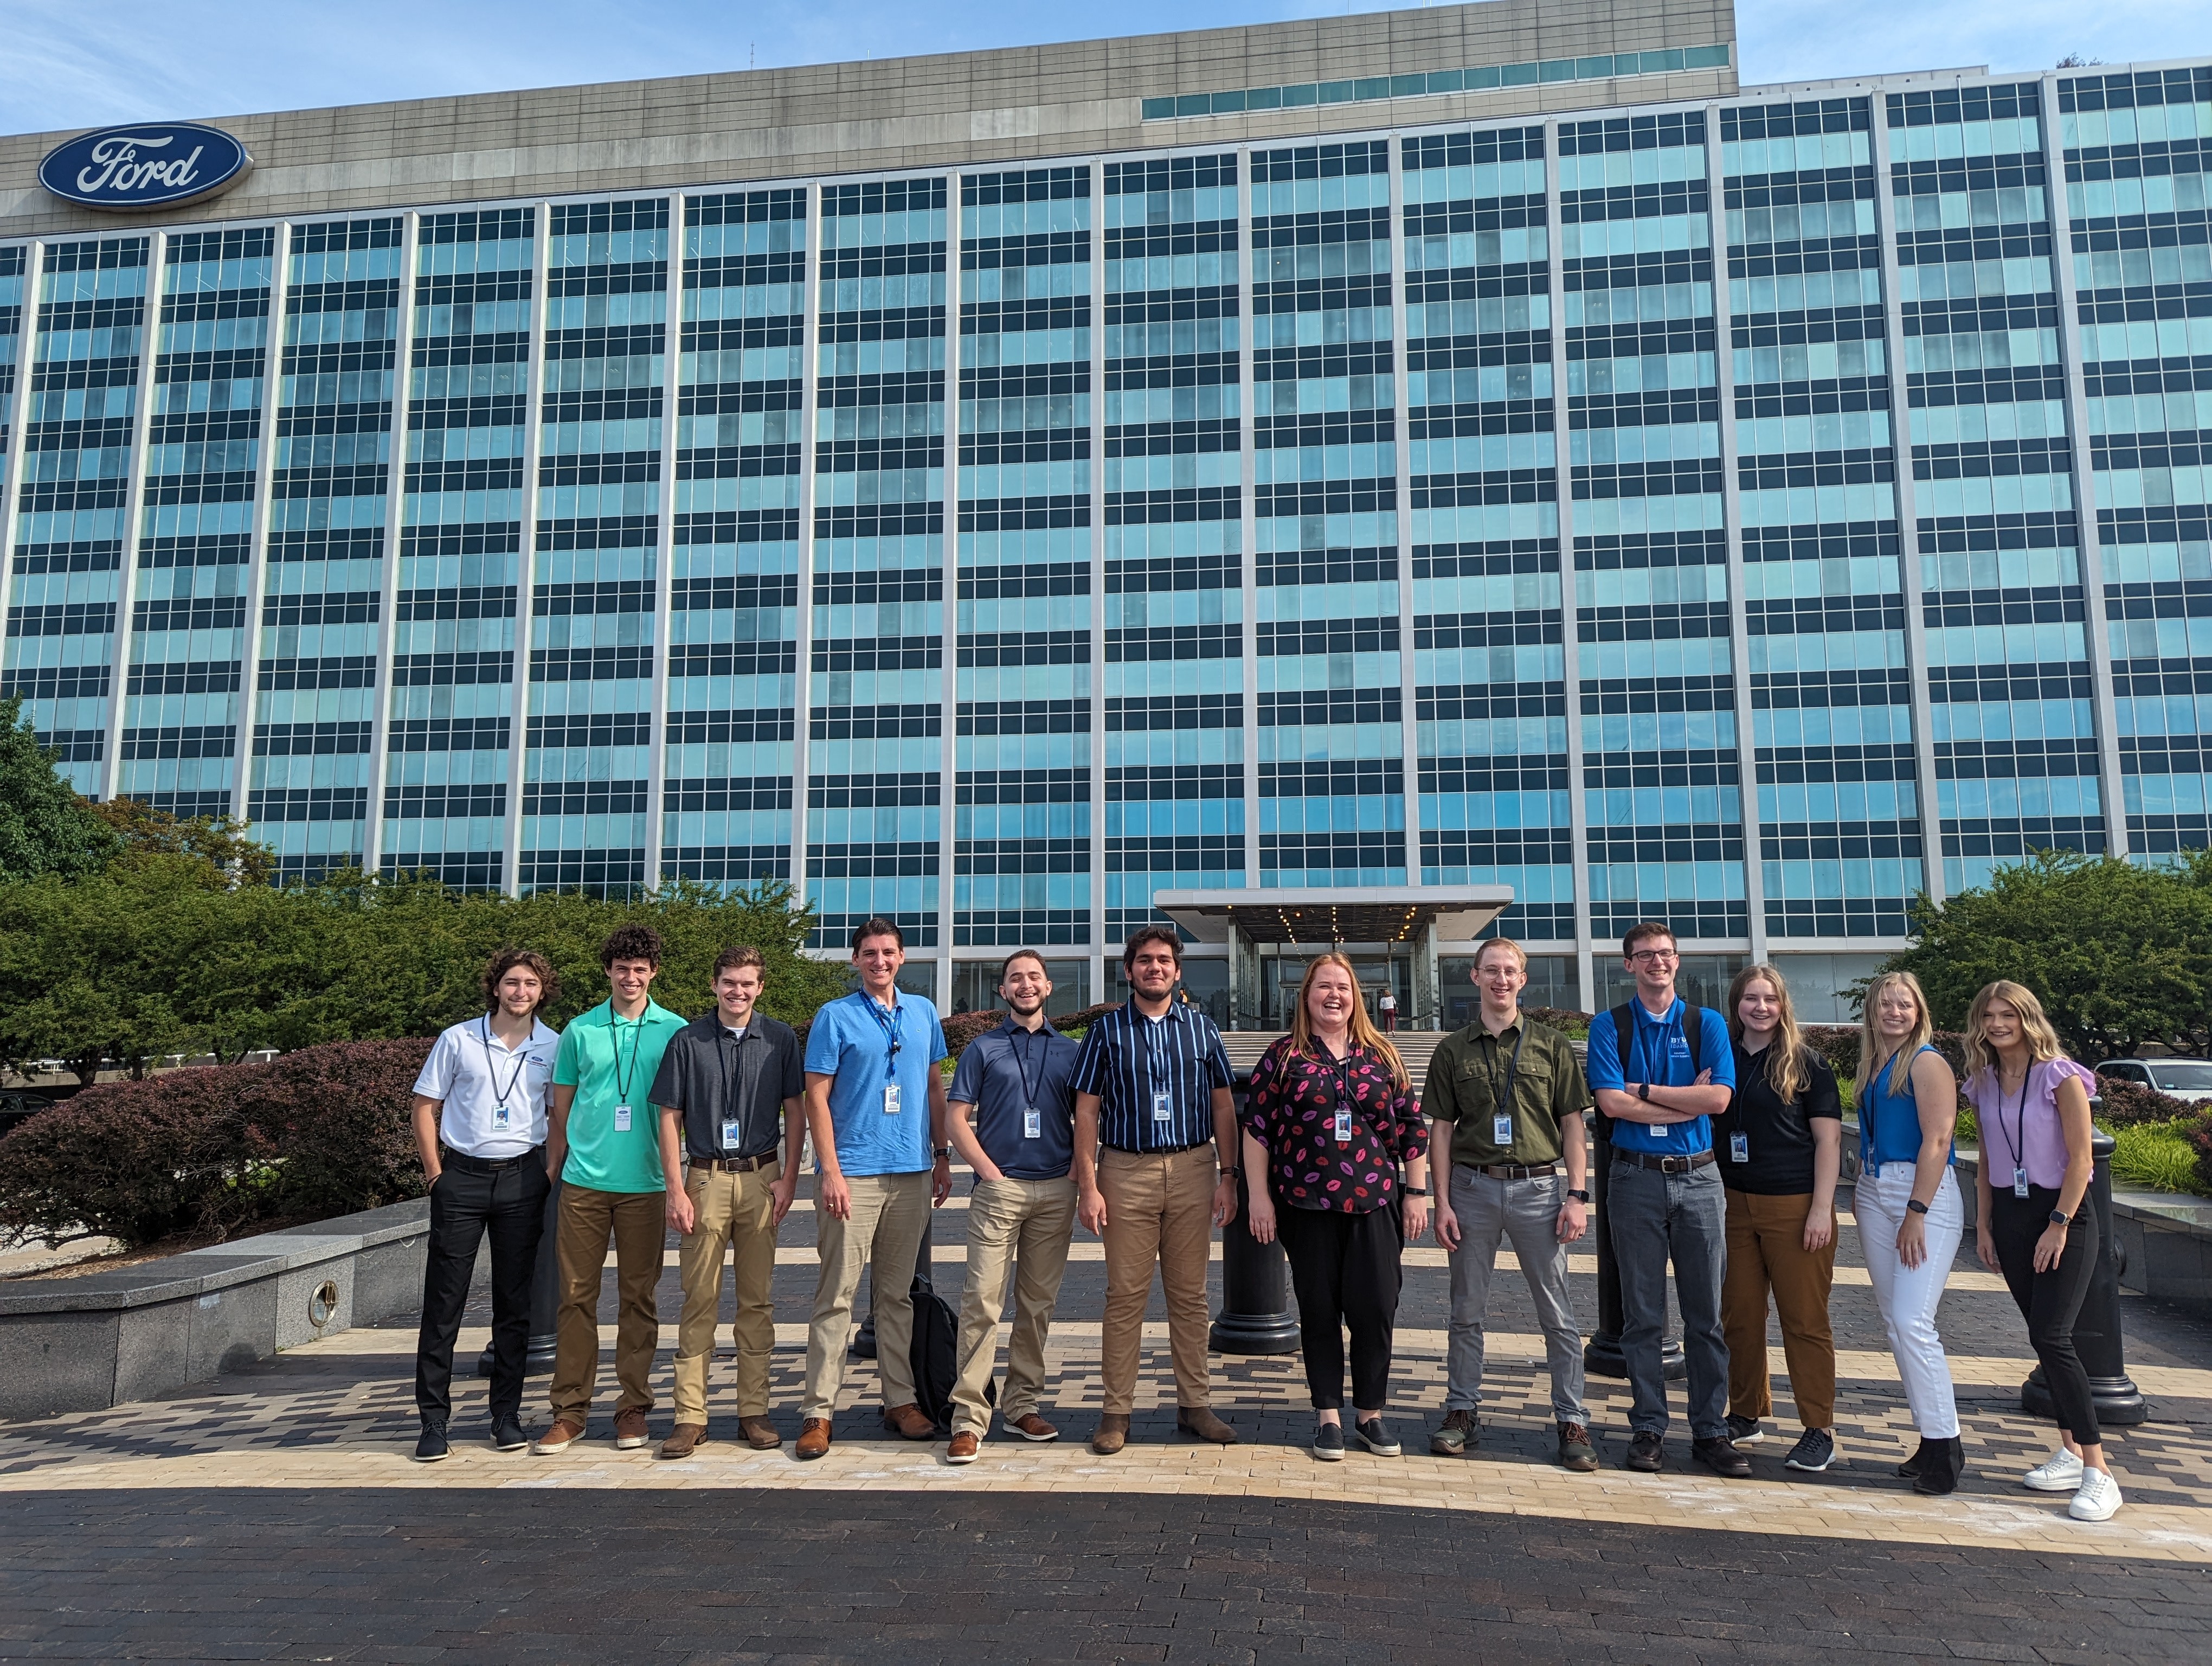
x,y
1127,1055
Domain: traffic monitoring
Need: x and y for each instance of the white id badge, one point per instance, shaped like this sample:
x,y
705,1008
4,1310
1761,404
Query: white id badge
x,y
501,1118
732,1131
2020,1183
1739,1148
622,1119
1032,1123
891,1098
1344,1126
1501,1130
1162,1110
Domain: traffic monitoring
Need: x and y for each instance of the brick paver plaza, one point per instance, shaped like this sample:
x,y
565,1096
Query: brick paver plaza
x,y
277,1515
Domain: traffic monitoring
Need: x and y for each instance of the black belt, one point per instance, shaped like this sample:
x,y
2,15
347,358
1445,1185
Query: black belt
x,y
734,1165
1642,1159
459,1160
1161,1151
1515,1170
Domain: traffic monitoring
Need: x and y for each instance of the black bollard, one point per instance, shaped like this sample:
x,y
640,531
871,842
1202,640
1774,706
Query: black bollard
x,y
1257,1316
863,1344
1602,1355
544,1297
2097,1336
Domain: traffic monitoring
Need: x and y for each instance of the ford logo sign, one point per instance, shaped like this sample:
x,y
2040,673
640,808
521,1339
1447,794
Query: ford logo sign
x,y
158,165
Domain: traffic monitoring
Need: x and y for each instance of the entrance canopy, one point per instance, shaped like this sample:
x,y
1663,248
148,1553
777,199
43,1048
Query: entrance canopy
x,y
1368,915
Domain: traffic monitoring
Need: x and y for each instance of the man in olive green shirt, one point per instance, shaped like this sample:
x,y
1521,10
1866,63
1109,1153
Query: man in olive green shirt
x,y
1507,1096
604,1149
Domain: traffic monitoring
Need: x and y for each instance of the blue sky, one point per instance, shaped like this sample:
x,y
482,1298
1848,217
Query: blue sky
x,y
74,64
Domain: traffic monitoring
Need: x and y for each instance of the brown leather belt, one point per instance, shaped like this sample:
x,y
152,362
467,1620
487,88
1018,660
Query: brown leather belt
x,y
734,1165
1516,1170
1645,1159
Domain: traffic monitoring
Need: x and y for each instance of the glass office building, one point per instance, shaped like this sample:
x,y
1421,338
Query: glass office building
x,y
1519,464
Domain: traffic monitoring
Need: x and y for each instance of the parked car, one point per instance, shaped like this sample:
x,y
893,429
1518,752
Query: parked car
x,y
2187,1080
17,1107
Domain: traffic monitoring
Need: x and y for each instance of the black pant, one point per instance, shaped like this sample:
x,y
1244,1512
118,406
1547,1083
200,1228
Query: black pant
x,y
2050,1302
465,1204
1345,1269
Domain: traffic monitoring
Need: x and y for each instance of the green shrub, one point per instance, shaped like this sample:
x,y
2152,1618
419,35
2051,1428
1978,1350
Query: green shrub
x,y
2157,1156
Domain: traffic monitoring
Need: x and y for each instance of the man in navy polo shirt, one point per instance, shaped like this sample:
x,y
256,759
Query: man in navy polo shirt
x,y
1017,1083
1660,1071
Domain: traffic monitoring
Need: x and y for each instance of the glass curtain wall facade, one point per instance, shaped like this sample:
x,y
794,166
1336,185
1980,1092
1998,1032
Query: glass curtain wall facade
x,y
1744,514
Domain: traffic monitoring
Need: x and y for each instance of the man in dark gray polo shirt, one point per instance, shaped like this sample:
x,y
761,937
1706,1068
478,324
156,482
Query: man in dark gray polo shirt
x,y
1013,1120
728,1090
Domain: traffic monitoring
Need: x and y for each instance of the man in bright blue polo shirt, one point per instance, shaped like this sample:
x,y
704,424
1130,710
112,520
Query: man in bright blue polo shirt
x,y
1661,1070
875,1105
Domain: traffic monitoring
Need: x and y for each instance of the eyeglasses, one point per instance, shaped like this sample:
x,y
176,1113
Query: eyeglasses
x,y
1655,957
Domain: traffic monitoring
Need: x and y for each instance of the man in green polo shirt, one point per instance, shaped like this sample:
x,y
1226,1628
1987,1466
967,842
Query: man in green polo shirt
x,y
1507,1095
604,1149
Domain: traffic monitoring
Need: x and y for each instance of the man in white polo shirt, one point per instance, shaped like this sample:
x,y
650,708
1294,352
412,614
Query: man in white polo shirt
x,y
480,1121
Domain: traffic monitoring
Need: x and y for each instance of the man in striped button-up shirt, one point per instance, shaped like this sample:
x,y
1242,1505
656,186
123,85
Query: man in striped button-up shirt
x,y
1153,1085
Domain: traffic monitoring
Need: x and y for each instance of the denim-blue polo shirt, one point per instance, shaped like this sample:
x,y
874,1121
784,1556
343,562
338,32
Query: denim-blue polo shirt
x,y
1659,1053
849,1042
1005,1073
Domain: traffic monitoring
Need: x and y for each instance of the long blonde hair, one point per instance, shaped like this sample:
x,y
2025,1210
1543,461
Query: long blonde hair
x,y
2043,1043
1789,1077
1900,1068
1363,1032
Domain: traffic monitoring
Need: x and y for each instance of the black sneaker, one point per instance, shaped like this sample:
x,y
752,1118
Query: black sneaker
x,y
1645,1452
1375,1435
507,1433
1745,1432
433,1446
1815,1451
1722,1458
1328,1443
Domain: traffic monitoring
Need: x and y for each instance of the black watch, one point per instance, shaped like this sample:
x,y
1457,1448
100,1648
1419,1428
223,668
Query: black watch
x,y
942,1153
1415,1191
1580,1197
1916,1206
2060,1217
1232,1173
1644,1092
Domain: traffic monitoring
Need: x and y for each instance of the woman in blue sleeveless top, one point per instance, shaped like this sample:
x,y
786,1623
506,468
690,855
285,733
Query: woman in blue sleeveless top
x,y
1911,1216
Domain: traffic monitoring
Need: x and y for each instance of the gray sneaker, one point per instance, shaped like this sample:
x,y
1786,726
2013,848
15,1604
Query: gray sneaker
x,y
1458,1432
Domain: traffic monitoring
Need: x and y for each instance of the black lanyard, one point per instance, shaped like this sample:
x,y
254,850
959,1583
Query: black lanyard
x,y
614,1043
2020,1123
1340,1069
491,1065
1505,1103
724,1038
1022,1068
1156,1054
889,1025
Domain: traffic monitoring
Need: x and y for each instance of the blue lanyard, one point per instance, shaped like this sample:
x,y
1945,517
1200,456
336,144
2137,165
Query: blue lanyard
x,y
889,1025
1636,1047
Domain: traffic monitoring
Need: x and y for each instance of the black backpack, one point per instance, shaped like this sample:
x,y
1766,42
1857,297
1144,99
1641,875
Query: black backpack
x,y
935,1354
1624,1020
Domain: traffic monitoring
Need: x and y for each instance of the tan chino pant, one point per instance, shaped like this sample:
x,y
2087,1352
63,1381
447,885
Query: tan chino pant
x,y
733,1213
889,1212
1028,1224
1159,1210
1766,1250
637,1223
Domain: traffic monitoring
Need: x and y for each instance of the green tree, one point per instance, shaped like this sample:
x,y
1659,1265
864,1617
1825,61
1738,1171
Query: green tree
x,y
2120,954
44,827
221,843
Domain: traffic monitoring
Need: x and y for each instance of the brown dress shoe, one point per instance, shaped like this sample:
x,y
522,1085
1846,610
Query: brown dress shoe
x,y
565,1432
629,1429
681,1438
1111,1434
963,1448
1033,1427
1201,1423
814,1437
908,1420
760,1434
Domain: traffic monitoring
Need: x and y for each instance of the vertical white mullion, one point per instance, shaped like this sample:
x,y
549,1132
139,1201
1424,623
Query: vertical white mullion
x,y
534,382
1097,702
2089,548
1570,646
1747,750
395,507
1908,533
1401,430
16,417
949,621
809,417
257,551
133,511
665,540
1247,524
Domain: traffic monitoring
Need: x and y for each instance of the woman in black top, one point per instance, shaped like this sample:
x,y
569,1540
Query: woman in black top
x,y
1779,1142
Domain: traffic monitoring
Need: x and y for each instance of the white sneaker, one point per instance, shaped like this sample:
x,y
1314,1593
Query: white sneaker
x,y
2099,1500
2059,1473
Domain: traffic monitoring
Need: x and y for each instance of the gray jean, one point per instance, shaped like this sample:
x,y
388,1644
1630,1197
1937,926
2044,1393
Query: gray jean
x,y
1491,1211
1656,1217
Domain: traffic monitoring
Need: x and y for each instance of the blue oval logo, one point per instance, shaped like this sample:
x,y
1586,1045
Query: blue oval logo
x,y
150,165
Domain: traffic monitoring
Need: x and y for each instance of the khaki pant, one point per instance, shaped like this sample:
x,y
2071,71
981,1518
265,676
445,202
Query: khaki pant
x,y
637,1223
732,1211
1158,1209
1766,1250
1030,1221
889,1212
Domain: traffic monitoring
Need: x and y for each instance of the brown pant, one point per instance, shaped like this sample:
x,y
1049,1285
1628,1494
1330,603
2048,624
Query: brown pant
x,y
1158,1209
1766,1251
731,1213
637,1223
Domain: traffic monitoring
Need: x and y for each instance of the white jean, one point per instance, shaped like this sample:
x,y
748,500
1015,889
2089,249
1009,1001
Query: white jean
x,y
1908,1295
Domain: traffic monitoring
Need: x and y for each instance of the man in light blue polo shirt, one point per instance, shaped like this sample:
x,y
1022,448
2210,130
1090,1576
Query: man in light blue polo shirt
x,y
875,1106
1660,1071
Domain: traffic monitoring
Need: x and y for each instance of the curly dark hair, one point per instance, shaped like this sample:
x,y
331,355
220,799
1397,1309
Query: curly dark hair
x,y
630,943
506,960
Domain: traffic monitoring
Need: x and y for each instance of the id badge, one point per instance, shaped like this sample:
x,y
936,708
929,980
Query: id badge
x,y
1163,1108
1739,1148
1344,1126
622,1119
2020,1183
1501,1131
1032,1123
733,1133
501,1118
891,1098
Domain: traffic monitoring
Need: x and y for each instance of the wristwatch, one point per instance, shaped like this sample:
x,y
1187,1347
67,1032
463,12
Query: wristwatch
x,y
1644,1092
1916,1206
942,1153
2060,1217
1232,1173
1580,1197
1415,1191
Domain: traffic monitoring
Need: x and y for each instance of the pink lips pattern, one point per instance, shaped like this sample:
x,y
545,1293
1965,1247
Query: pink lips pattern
x,y
1291,1112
